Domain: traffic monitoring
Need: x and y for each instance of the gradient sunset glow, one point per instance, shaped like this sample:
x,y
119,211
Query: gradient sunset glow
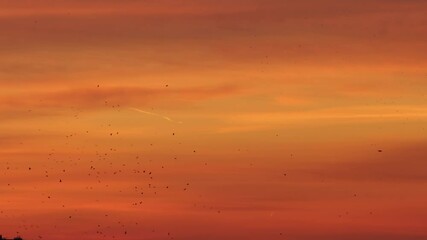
x,y
213,120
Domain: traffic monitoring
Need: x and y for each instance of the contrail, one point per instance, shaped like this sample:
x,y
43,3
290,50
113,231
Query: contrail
x,y
155,114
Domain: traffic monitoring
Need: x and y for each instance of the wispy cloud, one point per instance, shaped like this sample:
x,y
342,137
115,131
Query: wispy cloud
x,y
155,114
24,103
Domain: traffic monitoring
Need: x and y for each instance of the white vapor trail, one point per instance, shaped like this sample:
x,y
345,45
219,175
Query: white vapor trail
x,y
155,114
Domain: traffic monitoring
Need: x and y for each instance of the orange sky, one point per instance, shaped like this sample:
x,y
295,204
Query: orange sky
x,y
237,119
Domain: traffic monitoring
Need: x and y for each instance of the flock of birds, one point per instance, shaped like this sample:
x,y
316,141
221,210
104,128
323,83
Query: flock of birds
x,y
99,171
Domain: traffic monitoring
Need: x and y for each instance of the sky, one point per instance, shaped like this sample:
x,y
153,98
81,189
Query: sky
x,y
226,119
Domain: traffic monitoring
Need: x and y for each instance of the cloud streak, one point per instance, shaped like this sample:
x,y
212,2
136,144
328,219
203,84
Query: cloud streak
x,y
95,98
155,114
